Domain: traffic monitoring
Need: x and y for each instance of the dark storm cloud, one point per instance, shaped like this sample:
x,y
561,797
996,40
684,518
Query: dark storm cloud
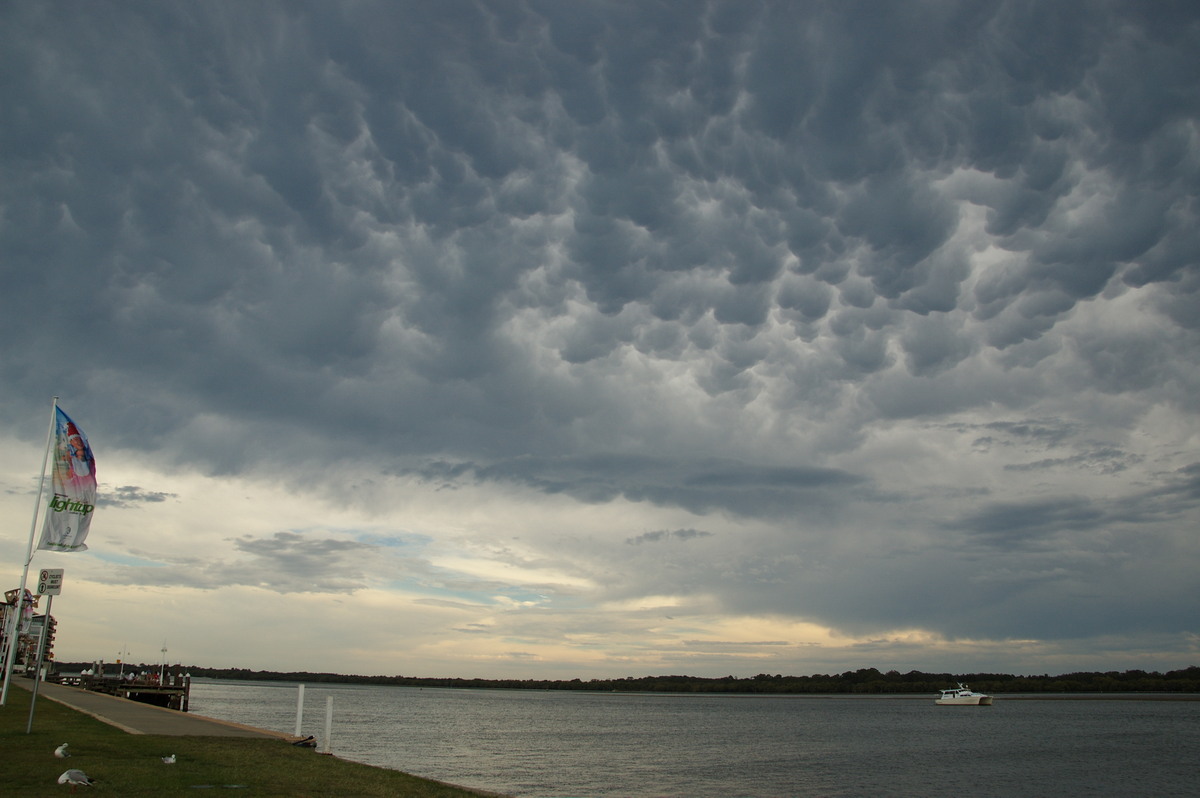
x,y
1017,524
1034,433
710,256
285,160
1106,460
1175,493
310,193
127,496
697,485
1062,567
1036,522
660,535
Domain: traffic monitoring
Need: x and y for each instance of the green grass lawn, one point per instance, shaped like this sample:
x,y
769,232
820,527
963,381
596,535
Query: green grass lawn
x,y
130,765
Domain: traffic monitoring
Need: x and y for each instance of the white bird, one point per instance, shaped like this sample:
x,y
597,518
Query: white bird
x,y
61,752
169,760
75,778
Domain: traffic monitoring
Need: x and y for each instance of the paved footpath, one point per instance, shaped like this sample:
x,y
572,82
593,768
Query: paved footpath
x,y
138,718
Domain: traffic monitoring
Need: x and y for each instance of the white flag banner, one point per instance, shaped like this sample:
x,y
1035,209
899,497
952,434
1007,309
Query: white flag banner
x,y
70,512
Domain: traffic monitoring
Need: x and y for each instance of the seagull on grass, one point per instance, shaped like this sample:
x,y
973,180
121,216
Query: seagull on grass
x,y
75,778
61,752
169,760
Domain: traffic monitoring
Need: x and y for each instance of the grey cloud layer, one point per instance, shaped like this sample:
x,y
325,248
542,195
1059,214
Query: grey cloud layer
x,y
698,485
337,208
693,254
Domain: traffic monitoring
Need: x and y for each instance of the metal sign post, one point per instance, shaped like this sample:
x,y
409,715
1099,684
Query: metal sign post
x,y
49,585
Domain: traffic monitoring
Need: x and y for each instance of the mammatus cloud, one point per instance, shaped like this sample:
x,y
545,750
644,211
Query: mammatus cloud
x,y
872,323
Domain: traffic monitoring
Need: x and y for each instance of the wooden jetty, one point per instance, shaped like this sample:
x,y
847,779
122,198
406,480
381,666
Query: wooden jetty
x,y
171,691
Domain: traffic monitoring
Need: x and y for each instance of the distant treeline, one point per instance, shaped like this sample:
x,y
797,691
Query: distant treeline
x,y
864,680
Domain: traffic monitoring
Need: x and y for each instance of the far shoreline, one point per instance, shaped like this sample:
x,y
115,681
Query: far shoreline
x,y
1129,685
1115,696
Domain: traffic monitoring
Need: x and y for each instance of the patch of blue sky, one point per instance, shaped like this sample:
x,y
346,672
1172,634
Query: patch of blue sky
x,y
483,595
520,596
383,538
422,586
391,540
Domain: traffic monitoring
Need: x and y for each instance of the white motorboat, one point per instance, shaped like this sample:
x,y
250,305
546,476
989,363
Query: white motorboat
x,y
963,696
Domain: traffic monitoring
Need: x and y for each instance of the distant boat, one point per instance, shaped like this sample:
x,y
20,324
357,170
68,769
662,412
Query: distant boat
x,y
963,696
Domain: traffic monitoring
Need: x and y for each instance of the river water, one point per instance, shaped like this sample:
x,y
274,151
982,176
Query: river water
x,y
543,744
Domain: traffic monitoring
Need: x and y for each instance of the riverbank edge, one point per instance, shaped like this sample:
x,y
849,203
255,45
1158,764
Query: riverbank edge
x,y
27,685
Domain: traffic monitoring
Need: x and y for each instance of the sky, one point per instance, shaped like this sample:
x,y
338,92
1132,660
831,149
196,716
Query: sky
x,y
586,339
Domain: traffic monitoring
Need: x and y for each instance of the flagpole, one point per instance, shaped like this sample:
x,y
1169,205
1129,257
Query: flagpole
x,y
16,619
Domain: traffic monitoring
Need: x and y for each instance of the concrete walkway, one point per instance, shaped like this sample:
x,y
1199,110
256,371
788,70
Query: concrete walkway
x,y
137,718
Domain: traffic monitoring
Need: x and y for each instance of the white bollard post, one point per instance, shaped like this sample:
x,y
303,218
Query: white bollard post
x,y
328,720
299,709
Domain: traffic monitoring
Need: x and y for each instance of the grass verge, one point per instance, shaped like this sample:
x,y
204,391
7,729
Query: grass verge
x,y
130,765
